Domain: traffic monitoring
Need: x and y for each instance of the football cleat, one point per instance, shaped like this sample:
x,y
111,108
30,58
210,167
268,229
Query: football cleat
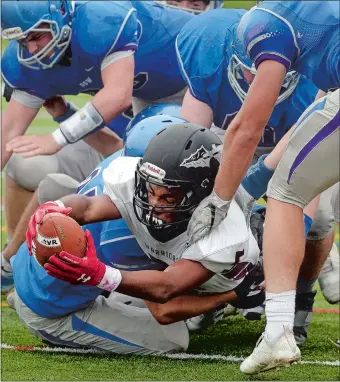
x,y
203,321
268,355
253,314
10,297
303,315
7,280
329,277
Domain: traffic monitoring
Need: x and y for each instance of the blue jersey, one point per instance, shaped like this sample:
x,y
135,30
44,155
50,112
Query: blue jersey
x,y
302,35
120,123
100,29
204,48
115,245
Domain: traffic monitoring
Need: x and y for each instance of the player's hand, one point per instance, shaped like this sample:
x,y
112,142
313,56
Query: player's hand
x,y
251,291
208,215
37,219
56,106
32,145
75,270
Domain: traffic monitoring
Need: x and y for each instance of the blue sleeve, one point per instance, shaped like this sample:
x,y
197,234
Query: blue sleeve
x,y
257,178
200,73
267,36
107,27
308,223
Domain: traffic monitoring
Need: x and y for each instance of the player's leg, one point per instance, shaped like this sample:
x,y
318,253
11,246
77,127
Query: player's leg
x,y
309,166
108,324
329,278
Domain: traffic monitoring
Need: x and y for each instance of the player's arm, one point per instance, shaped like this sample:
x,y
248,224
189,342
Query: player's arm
x,y
246,129
178,278
86,209
15,121
187,306
196,111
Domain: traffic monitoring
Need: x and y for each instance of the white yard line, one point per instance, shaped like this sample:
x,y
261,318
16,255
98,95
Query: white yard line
x,y
182,356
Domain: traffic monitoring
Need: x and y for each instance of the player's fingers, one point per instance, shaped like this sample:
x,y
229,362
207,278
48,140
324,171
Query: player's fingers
x,y
25,148
33,153
19,141
63,267
55,272
68,258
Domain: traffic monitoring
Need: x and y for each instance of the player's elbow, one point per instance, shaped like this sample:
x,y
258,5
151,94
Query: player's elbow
x,y
247,132
161,315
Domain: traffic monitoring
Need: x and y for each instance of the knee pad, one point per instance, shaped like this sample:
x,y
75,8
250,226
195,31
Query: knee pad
x,y
29,172
323,223
55,186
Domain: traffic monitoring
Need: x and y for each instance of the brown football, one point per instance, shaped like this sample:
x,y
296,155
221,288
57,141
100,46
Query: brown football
x,y
57,233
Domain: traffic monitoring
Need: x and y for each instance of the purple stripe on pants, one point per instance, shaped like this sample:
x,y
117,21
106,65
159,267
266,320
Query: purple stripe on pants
x,y
319,137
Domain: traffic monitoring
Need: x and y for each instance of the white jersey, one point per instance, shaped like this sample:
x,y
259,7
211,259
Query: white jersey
x,y
226,251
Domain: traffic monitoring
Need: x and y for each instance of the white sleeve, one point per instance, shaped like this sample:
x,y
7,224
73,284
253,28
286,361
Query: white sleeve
x,y
27,99
110,59
119,179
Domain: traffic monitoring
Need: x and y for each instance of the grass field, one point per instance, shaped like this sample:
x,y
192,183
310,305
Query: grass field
x,y
213,355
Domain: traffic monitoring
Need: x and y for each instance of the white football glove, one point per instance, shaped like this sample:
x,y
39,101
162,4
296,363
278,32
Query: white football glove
x,y
207,216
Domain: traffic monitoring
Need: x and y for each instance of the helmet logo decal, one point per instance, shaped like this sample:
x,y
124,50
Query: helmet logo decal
x,y
201,157
152,170
13,33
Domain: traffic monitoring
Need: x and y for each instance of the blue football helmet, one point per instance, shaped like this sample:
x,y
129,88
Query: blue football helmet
x,y
210,4
157,109
21,17
240,59
141,134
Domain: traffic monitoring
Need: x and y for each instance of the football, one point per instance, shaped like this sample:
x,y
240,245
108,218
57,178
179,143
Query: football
x,y
57,233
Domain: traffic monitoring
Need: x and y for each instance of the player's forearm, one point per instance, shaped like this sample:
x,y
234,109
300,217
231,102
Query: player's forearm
x,y
187,306
104,141
238,150
149,285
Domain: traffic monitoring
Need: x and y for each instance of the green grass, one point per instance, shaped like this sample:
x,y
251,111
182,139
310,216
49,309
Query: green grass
x,y
234,336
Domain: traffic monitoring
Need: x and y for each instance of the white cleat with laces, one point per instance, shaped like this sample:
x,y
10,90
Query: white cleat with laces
x,y
269,355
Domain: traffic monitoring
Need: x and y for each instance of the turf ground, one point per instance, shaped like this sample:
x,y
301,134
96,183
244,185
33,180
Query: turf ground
x,y
213,355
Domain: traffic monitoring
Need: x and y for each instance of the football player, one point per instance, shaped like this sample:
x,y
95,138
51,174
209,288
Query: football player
x,y
79,316
282,36
194,6
210,65
55,186
156,196
57,49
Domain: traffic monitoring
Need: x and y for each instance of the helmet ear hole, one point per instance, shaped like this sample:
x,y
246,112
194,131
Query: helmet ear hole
x,y
187,147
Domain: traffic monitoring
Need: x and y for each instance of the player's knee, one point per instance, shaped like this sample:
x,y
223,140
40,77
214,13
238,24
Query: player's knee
x,y
323,223
29,172
55,186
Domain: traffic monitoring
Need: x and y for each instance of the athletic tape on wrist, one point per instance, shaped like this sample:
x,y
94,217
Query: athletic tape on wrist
x,y
86,120
111,280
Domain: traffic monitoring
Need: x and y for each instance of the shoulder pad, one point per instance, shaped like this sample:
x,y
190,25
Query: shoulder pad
x,y
104,27
268,36
11,70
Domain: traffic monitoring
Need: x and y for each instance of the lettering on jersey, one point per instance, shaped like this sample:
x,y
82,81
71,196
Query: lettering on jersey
x,y
86,82
201,157
152,170
152,252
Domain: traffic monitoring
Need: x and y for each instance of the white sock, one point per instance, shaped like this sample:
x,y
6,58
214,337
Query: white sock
x,y
280,311
5,264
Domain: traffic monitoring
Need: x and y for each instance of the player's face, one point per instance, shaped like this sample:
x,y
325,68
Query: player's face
x,y
36,41
248,76
159,196
188,4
